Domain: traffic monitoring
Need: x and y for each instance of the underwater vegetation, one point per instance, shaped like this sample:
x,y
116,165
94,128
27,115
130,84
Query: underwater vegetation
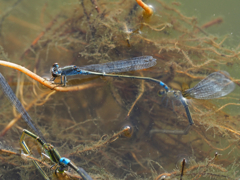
x,y
104,124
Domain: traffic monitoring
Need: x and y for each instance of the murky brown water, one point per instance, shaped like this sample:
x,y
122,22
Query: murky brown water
x,y
80,124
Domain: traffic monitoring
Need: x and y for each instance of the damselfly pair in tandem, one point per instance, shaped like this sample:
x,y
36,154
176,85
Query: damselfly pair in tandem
x,y
215,85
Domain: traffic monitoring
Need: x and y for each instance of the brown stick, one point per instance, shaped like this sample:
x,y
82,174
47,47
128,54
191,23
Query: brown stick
x,y
147,10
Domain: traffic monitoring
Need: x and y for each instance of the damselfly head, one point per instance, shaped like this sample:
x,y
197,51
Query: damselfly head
x,y
55,65
54,70
162,92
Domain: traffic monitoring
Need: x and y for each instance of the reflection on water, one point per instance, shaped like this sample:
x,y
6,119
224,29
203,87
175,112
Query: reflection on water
x,y
86,126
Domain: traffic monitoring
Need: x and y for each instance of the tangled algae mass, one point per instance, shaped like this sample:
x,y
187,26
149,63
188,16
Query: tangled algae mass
x,y
103,124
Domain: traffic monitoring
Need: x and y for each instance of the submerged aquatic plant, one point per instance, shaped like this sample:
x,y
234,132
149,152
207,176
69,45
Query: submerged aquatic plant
x,y
82,124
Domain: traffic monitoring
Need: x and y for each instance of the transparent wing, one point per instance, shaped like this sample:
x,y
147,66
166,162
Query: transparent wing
x,y
215,85
132,64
